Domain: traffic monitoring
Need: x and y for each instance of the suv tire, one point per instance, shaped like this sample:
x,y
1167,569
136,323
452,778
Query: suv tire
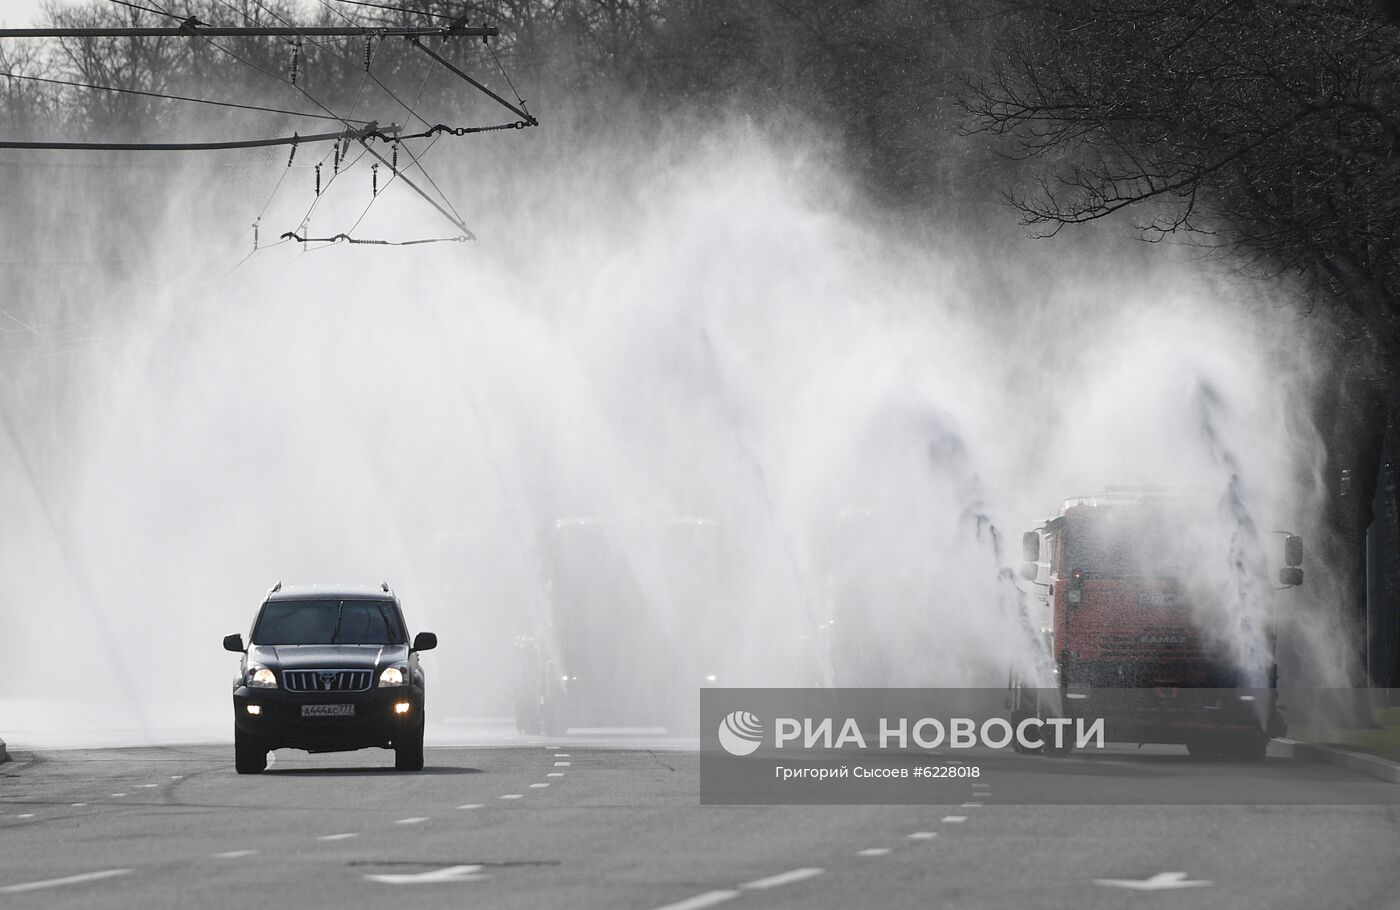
x,y
249,755
408,752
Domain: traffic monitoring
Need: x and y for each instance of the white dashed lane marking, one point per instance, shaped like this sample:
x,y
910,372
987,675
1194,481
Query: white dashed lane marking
x,y
336,836
77,805
711,898
555,774
538,786
118,794
972,805
923,835
700,901
412,821
562,764
562,755
511,796
873,851
471,806
25,815
954,819
233,854
70,880
432,877
782,878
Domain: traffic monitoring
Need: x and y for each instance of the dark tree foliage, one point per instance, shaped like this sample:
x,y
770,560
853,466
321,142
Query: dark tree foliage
x,y
1267,128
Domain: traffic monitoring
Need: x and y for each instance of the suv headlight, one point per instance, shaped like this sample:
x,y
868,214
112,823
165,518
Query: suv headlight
x,y
392,676
261,678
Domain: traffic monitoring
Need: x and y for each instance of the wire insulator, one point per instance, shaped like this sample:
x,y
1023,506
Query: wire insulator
x,y
255,233
293,156
318,178
335,160
296,61
374,180
394,162
369,51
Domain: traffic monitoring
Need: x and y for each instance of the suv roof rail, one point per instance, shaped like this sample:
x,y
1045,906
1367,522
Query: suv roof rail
x,y
385,586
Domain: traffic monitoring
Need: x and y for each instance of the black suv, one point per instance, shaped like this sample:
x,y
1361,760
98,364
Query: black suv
x,y
328,669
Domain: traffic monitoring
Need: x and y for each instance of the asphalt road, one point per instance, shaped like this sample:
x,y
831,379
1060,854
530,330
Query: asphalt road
x,y
582,823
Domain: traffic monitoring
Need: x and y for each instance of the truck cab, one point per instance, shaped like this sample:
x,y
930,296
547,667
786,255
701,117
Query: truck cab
x,y
1157,612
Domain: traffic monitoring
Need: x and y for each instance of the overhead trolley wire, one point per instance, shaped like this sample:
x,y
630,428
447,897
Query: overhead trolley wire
x,y
297,238
399,9
371,131
449,212
147,9
519,112
376,31
364,133
193,26
132,91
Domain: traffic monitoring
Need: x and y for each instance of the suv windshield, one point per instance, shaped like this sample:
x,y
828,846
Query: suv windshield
x,y
328,622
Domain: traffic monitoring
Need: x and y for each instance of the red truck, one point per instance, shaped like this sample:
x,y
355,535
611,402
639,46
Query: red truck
x,y
1156,615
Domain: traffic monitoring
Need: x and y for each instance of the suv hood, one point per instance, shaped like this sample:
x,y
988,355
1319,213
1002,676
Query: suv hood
x,y
347,657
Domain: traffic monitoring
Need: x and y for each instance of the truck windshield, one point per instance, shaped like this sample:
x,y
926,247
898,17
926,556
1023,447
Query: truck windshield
x,y
1109,542
328,622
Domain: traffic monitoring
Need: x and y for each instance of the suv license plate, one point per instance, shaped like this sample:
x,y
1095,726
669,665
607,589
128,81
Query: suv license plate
x,y
327,710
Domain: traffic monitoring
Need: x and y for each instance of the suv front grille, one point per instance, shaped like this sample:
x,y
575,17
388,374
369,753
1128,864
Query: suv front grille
x,y
326,680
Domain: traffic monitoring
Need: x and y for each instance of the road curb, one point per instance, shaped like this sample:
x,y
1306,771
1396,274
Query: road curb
x,y
1370,765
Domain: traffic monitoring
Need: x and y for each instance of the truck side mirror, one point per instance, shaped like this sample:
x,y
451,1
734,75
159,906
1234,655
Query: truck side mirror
x,y
234,643
1290,576
424,641
1029,571
1030,546
1293,550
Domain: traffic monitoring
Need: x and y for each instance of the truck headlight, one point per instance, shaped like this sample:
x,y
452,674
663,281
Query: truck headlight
x,y
392,676
261,678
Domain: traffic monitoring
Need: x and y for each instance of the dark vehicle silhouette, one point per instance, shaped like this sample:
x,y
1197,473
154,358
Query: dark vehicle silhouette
x,y
639,616
328,669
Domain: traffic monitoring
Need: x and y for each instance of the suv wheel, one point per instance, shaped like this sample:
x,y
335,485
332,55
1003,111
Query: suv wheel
x,y
408,751
249,755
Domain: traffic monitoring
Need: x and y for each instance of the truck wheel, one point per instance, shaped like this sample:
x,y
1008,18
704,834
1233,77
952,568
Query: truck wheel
x,y
1249,747
1203,748
527,717
551,723
1016,744
249,755
408,751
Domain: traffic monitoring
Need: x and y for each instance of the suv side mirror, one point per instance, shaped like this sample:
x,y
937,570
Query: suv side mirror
x,y
1290,576
424,641
1030,546
1293,550
234,643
